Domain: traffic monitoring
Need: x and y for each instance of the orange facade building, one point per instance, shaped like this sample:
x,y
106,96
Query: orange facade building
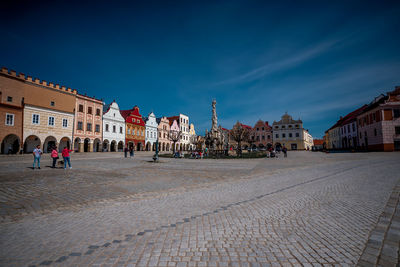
x,y
43,113
134,128
88,126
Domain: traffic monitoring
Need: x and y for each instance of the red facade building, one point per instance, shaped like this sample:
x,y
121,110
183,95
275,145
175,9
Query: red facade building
x,y
135,128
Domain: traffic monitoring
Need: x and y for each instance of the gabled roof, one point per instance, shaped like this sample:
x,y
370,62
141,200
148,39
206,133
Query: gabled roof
x,y
246,126
171,119
134,112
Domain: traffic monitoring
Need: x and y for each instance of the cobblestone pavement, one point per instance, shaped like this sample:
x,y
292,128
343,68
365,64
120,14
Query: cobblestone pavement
x,y
307,209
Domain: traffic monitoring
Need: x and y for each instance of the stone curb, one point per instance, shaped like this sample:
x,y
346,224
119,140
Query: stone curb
x,y
382,247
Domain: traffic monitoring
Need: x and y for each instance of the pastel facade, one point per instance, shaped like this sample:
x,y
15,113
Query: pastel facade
x,y
174,127
379,124
291,134
151,134
113,128
163,129
11,110
48,114
88,126
134,128
261,134
183,123
192,135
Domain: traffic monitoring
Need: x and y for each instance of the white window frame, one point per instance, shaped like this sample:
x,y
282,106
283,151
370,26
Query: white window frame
x,y
65,120
38,119
12,116
48,121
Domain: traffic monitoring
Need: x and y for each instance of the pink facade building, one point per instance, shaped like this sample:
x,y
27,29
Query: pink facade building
x,y
88,126
163,134
379,124
261,134
174,129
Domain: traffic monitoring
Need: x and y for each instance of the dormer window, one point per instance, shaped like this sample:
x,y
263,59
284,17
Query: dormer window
x,y
52,103
9,98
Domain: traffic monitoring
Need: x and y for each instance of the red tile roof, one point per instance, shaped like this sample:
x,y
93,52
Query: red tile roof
x,y
318,142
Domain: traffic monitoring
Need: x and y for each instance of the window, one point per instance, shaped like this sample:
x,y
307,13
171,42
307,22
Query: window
x,y
354,127
257,138
114,129
98,112
283,126
348,128
89,127
283,135
258,129
51,121
396,113
107,127
290,126
9,119
290,135
89,110
297,126
297,135
35,118
269,137
263,128
263,137
80,125
276,127
374,116
97,129
9,98
120,129
52,103
397,130
375,133
129,131
277,136
80,108
65,123
133,131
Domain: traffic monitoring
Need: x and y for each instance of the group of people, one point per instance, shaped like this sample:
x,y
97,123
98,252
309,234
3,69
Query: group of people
x,y
37,154
130,150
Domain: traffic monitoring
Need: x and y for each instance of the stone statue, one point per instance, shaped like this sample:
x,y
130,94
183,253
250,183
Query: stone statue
x,y
214,127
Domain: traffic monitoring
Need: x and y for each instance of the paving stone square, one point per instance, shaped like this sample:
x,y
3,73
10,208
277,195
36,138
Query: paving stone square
x,y
310,209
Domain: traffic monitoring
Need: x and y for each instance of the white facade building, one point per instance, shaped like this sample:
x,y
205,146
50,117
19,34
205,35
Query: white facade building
x,y
151,134
184,127
113,128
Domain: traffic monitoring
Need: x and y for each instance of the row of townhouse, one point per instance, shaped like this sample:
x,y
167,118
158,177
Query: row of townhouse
x,y
374,127
36,112
285,132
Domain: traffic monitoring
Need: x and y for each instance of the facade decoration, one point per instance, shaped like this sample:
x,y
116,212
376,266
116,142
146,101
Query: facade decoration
x,y
151,134
88,126
163,129
291,134
261,135
113,128
175,135
379,123
134,128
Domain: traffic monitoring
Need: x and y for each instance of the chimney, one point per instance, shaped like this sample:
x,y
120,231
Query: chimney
x,y
21,75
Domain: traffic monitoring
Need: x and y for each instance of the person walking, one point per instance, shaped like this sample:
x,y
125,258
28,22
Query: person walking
x,y
65,154
126,151
37,153
131,153
284,150
54,156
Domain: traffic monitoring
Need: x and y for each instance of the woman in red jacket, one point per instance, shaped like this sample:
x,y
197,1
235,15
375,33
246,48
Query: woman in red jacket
x,y
54,156
65,154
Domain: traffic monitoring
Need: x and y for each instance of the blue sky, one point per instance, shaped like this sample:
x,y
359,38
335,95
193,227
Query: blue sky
x,y
316,60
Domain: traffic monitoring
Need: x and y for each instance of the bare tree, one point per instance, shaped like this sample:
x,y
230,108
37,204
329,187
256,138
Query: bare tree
x,y
239,134
174,136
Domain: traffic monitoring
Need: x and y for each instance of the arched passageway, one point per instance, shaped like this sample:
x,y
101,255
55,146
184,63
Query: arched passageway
x,y
49,143
10,144
64,142
30,143
113,146
120,146
86,145
96,145
139,146
148,146
106,145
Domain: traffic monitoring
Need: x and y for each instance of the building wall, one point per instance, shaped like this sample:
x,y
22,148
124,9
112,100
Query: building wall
x,y
349,135
163,133
184,127
82,116
261,134
151,134
113,141
43,132
10,133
